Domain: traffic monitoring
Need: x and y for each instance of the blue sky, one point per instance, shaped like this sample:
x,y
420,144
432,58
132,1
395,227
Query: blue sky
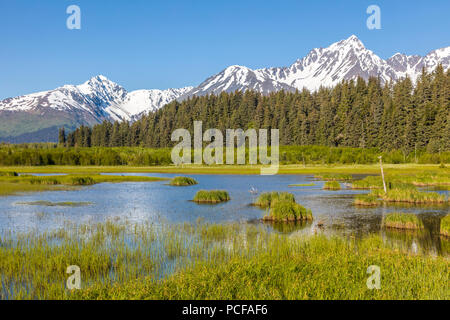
x,y
144,44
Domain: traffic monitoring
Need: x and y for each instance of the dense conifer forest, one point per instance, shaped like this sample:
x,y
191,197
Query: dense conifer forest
x,y
357,113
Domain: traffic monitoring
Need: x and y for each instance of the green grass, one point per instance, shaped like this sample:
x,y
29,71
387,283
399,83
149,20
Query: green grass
x,y
332,185
302,185
8,174
403,169
395,180
411,196
211,196
265,199
121,260
56,204
183,181
26,183
398,220
445,226
367,200
288,211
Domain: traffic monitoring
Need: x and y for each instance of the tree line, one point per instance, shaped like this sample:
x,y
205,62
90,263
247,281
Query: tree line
x,y
354,113
42,154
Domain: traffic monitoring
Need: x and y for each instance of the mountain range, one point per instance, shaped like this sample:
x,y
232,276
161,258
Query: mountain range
x,y
38,116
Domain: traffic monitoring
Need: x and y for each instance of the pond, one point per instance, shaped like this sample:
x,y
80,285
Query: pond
x,y
159,202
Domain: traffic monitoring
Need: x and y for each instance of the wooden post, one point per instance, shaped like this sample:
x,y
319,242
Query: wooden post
x,y
382,174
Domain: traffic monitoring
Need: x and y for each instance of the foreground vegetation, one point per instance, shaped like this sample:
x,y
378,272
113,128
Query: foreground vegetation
x,y
120,260
399,220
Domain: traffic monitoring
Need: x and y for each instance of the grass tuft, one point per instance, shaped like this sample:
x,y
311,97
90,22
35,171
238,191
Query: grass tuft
x,y
332,185
398,220
183,181
211,196
265,199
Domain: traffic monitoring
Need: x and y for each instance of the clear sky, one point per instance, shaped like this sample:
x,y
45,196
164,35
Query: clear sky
x,y
145,44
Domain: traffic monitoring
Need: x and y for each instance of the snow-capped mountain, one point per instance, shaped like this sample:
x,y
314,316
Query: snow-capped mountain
x,y
346,59
100,99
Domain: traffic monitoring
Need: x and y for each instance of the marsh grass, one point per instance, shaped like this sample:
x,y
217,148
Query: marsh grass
x,y
265,199
281,210
183,181
367,200
397,220
211,196
27,183
122,260
410,195
8,174
445,226
395,181
332,185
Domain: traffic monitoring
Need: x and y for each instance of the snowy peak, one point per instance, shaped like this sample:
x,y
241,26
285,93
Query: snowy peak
x,y
99,96
344,60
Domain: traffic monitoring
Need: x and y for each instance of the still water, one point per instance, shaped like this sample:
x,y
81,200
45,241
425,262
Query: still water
x,y
159,202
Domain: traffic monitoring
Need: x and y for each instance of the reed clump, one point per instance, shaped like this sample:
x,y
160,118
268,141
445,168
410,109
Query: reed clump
x,y
409,195
332,185
288,211
399,220
367,200
265,199
445,226
211,196
183,181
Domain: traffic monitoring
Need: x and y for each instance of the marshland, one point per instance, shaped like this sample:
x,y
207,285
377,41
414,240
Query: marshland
x,y
134,235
